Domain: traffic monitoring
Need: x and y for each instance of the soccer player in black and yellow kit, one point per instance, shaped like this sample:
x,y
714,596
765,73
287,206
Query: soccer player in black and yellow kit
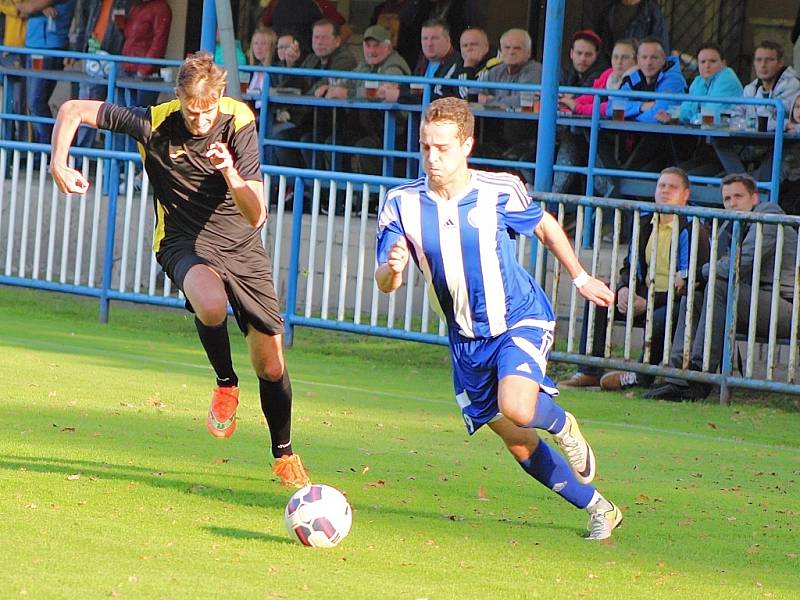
x,y
201,155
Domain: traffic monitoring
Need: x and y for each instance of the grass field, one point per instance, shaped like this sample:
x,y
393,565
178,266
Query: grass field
x,y
111,487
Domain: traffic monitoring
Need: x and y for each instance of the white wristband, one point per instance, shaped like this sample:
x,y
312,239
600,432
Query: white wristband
x,y
581,280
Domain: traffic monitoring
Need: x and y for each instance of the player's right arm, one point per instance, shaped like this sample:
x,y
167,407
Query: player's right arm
x,y
389,275
71,115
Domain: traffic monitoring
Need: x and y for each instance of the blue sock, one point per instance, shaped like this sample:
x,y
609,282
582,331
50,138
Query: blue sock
x,y
549,415
552,470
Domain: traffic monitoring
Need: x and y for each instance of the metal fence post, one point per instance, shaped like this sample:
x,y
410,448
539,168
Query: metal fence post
x,y
294,261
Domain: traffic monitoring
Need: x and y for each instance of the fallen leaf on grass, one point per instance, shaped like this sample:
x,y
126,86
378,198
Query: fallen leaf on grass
x,y
221,461
154,400
378,483
74,477
753,549
364,470
482,493
196,489
712,425
68,430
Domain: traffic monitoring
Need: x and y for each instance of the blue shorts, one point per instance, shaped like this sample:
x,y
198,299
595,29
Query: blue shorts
x,y
478,364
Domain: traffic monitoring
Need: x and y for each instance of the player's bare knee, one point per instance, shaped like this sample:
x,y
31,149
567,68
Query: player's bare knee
x,y
270,370
520,414
211,312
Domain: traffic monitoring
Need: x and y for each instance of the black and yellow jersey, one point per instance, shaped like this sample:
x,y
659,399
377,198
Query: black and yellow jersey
x,y
192,201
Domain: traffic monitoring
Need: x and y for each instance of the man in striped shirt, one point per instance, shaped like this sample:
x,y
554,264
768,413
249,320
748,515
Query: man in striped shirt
x,y
457,225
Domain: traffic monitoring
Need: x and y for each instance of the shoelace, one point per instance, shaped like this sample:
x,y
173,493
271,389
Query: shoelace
x,y
599,523
572,448
627,378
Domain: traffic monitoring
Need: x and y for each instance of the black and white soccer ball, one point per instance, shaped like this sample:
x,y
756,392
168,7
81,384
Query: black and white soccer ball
x,y
318,515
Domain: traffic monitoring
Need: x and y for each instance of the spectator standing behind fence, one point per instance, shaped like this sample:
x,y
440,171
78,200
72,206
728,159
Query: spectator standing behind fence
x,y
637,19
13,36
95,30
672,189
146,29
739,193
298,17
260,53
476,57
459,15
48,32
329,55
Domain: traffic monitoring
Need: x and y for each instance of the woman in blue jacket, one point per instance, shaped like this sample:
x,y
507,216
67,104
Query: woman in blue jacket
x,y
715,80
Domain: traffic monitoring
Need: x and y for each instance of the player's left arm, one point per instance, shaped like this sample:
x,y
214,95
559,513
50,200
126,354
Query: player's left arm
x,y
248,195
553,237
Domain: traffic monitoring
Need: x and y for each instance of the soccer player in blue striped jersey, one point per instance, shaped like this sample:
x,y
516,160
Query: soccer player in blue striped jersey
x,y
457,224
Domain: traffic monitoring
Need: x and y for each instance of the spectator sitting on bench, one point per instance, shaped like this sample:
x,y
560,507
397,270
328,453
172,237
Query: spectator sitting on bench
x,y
739,193
672,189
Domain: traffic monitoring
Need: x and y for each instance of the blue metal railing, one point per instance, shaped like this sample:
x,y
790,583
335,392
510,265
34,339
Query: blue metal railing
x,y
106,292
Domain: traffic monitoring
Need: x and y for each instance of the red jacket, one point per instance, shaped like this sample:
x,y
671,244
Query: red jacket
x,y
583,104
146,34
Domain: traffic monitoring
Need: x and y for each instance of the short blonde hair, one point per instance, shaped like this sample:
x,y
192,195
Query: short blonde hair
x,y
452,110
200,79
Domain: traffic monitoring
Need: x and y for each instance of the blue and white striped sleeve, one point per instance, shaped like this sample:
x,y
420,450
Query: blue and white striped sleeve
x,y
522,213
389,229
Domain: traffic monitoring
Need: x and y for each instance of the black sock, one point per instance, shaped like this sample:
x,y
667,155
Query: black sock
x,y
276,404
218,349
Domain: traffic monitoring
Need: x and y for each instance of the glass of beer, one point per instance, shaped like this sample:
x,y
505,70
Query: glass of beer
x,y
527,101
762,118
37,62
706,117
417,89
371,89
618,106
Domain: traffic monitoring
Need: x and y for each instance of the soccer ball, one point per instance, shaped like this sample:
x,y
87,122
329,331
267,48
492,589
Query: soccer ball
x,y
318,515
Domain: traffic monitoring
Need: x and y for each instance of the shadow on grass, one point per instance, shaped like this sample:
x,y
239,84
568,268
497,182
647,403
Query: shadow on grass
x,y
246,534
260,499
156,479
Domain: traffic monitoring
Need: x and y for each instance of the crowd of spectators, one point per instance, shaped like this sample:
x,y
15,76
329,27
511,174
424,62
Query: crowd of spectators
x,y
627,49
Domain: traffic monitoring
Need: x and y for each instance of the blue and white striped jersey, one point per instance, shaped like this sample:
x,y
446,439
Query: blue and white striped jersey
x,y
464,249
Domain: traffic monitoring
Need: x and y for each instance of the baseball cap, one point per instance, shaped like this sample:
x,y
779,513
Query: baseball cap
x,y
378,33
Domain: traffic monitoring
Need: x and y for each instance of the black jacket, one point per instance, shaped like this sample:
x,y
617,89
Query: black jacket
x,y
648,22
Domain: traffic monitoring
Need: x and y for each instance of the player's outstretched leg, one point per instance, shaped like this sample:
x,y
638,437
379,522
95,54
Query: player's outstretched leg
x,y
221,420
550,469
566,434
276,404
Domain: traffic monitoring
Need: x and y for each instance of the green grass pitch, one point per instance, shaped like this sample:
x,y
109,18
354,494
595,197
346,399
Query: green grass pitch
x,y
110,485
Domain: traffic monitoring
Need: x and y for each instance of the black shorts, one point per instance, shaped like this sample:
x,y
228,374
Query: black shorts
x,y
247,276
